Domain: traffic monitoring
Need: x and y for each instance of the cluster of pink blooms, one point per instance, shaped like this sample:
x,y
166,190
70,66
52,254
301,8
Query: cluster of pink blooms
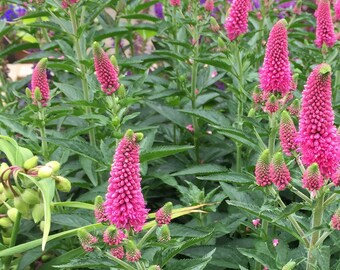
x,y
237,20
163,215
175,3
318,138
209,5
40,82
262,169
337,10
107,73
335,221
324,25
279,174
125,205
67,3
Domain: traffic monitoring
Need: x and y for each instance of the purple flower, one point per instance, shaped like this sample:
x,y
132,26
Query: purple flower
x,y
13,12
288,4
202,2
159,10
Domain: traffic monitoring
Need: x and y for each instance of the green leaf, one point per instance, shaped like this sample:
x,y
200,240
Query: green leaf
x,y
238,136
79,147
70,220
201,170
214,62
230,177
163,151
145,5
18,48
74,204
191,264
290,209
16,127
172,252
62,258
110,32
263,257
89,169
144,17
213,117
70,91
47,188
11,150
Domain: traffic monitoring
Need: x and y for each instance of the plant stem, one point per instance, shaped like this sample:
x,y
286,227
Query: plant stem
x,y
300,194
330,199
316,222
264,233
148,233
84,82
272,135
44,148
14,234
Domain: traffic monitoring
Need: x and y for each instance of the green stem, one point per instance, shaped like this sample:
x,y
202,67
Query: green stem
x,y
330,199
120,262
298,161
322,238
264,233
80,57
44,148
148,233
14,234
272,135
300,194
316,222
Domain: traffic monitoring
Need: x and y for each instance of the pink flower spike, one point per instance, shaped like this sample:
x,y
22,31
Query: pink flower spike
x,y
132,253
256,222
39,81
312,179
163,215
87,240
317,138
113,236
175,3
288,133
275,242
324,25
117,252
337,10
125,205
99,211
272,105
336,177
278,172
262,169
237,21
106,73
275,73
335,222
209,5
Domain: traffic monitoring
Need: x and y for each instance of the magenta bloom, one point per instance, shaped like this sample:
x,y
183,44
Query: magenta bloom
x,y
278,172
237,21
336,177
271,105
117,252
39,80
336,220
163,215
312,179
294,108
288,133
275,74
87,240
337,10
124,205
317,138
107,74
175,3
99,210
113,236
324,25
262,169
209,5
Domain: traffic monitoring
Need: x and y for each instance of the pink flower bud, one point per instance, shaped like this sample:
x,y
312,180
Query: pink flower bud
x,y
39,81
262,169
163,215
324,25
113,236
117,252
87,240
278,172
288,133
312,179
335,222
132,253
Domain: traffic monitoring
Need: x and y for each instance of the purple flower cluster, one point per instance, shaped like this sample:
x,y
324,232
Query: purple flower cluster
x,y
13,12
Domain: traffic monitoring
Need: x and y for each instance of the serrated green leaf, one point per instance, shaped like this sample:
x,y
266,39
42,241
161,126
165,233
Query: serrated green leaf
x,y
230,177
70,220
70,91
261,257
62,258
238,136
213,117
201,170
163,151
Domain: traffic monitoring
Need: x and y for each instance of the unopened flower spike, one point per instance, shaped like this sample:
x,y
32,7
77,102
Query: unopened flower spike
x,y
175,3
163,234
312,178
317,138
278,172
163,215
39,84
133,254
237,19
124,204
257,95
324,25
335,222
288,133
214,25
289,266
113,236
272,104
294,108
117,252
209,5
106,72
275,73
87,240
99,210
262,169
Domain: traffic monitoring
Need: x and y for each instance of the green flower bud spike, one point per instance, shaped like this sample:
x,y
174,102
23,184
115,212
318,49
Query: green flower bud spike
x,y
31,163
289,266
163,234
63,184
22,206
38,212
12,213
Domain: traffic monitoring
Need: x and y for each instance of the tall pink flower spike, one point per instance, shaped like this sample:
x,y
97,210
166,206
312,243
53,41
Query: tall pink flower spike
x,y
288,133
324,25
106,73
278,172
125,205
317,138
237,21
39,80
337,10
275,74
